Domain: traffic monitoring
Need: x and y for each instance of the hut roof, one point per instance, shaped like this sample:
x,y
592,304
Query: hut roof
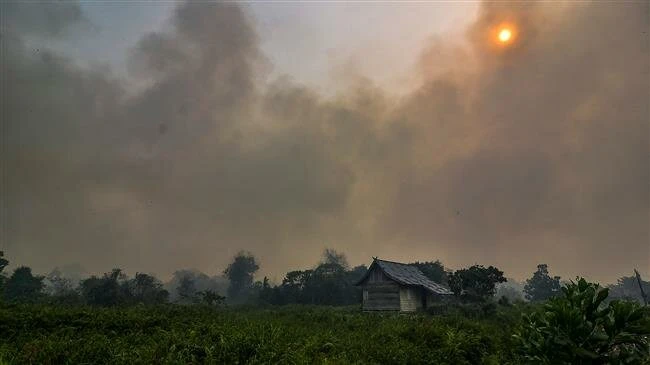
x,y
406,274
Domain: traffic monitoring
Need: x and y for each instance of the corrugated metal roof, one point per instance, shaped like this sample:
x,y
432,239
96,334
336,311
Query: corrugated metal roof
x,y
407,275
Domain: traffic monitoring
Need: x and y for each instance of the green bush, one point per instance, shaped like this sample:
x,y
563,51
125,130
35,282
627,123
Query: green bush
x,y
474,310
175,334
579,328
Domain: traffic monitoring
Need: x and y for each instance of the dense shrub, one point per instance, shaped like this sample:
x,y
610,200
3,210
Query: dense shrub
x,y
474,310
23,286
198,334
576,328
579,328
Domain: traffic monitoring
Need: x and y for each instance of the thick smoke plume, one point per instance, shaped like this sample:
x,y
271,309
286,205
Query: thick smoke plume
x,y
511,156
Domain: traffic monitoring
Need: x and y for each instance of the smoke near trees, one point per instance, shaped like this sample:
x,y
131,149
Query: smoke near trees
x,y
330,281
185,284
627,287
186,289
332,257
484,163
209,145
61,288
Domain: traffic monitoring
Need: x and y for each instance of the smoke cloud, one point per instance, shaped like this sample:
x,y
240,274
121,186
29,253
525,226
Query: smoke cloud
x,y
510,156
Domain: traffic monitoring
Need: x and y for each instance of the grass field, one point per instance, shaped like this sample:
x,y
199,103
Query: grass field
x,y
171,334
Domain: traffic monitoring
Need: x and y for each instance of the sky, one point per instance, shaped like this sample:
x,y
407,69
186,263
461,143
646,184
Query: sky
x,y
306,41
156,136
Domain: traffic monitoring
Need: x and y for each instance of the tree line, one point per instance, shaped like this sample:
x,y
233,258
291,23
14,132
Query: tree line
x,y
330,282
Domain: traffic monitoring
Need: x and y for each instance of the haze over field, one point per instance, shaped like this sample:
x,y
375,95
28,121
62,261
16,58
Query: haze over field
x,y
404,131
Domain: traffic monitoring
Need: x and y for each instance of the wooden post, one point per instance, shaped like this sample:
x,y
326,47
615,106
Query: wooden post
x,y
638,280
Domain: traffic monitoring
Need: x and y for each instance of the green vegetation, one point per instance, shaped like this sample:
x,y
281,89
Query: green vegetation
x,y
476,283
433,270
313,316
292,334
578,328
541,286
241,274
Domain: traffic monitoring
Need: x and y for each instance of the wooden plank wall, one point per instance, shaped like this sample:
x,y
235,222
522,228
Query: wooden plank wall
x,y
381,296
410,299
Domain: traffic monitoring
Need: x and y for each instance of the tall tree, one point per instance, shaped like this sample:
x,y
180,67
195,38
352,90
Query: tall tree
x,y
541,286
356,273
186,289
433,270
327,285
23,285
241,273
476,283
109,290
3,263
293,287
147,289
266,292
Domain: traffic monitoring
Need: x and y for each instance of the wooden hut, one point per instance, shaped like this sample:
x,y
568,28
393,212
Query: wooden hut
x,y
393,286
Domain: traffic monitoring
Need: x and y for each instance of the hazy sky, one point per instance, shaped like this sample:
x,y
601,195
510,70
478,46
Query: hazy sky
x,y
159,136
307,41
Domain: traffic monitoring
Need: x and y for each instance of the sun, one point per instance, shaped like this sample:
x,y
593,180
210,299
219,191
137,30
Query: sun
x,y
505,35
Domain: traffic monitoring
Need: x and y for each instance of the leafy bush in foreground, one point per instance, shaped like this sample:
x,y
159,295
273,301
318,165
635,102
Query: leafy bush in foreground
x,y
578,328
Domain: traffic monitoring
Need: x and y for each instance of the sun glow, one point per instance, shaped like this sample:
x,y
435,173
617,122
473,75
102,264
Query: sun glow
x,y
505,35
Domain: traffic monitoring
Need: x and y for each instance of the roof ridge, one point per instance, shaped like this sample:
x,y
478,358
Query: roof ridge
x,y
393,262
